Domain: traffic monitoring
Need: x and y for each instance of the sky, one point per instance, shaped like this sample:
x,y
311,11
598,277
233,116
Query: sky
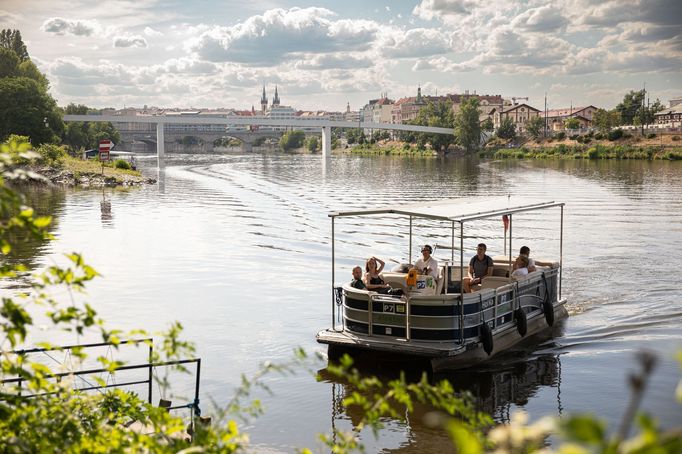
x,y
324,54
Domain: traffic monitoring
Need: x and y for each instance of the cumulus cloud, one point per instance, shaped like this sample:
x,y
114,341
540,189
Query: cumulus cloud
x,y
417,42
281,34
130,41
546,18
61,26
151,32
338,61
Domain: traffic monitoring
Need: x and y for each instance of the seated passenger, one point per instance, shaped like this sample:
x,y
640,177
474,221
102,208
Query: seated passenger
x,y
520,267
480,266
525,251
373,281
427,264
357,279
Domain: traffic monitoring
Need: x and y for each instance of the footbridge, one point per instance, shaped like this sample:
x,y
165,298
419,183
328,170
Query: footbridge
x,y
324,125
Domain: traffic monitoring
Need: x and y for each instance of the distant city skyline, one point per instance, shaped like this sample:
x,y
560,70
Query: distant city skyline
x,y
322,55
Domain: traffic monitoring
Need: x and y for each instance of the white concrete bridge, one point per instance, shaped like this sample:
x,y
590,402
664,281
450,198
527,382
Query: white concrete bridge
x,y
325,125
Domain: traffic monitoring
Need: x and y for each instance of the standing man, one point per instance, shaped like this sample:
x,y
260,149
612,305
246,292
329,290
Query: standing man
x,y
480,266
427,264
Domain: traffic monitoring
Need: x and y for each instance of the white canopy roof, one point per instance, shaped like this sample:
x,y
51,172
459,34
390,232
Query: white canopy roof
x,y
457,210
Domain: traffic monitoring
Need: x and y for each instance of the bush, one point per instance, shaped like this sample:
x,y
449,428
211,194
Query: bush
x,y
676,138
599,136
616,134
51,154
575,137
673,155
651,135
561,136
122,164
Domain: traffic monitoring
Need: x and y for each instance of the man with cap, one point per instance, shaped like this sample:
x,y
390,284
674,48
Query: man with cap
x,y
427,264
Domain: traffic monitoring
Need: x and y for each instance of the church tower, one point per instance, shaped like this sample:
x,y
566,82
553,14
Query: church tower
x,y
263,102
275,100
419,94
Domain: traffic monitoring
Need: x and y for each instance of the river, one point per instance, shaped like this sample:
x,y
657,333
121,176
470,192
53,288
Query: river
x,y
236,248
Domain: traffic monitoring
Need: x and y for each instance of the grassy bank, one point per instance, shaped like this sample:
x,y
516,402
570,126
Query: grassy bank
x,y
391,149
598,151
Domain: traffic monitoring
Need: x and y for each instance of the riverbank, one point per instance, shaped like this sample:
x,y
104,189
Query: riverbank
x,y
74,172
389,148
597,151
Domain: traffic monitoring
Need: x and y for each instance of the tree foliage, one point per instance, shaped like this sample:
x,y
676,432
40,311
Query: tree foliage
x,y
507,129
572,123
11,39
536,127
313,144
27,109
467,124
291,140
438,114
605,120
487,125
636,110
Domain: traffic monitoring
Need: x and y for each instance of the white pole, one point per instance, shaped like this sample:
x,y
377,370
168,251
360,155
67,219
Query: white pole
x,y
160,142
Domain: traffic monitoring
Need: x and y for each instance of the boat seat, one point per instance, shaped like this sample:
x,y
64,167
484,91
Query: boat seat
x,y
494,282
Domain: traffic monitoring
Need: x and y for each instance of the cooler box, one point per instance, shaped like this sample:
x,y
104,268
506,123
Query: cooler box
x,y
426,285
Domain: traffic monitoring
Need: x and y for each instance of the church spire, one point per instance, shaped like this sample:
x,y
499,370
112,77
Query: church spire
x,y
275,100
263,102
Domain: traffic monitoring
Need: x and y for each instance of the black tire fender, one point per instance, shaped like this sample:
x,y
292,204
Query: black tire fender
x,y
548,309
521,321
486,338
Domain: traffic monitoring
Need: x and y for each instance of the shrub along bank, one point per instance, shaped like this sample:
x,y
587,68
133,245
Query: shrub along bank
x,y
598,151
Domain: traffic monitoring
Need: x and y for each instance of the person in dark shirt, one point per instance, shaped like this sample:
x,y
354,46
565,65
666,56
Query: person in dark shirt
x,y
480,266
357,279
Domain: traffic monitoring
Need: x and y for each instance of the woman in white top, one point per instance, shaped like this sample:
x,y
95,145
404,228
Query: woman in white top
x,y
520,267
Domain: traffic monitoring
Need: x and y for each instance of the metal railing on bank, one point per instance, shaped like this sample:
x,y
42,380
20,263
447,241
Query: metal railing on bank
x,y
82,374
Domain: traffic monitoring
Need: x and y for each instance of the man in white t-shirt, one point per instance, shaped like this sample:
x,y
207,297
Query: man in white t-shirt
x,y
427,264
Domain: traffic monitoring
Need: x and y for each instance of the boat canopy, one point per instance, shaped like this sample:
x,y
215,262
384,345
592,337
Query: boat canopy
x,y
456,210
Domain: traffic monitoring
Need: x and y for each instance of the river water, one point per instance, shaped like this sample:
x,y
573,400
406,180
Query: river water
x,y
237,248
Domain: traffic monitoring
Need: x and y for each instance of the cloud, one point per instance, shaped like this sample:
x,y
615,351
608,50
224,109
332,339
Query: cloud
x,y
130,41
280,35
334,61
60,26
546,18
417,42
151,32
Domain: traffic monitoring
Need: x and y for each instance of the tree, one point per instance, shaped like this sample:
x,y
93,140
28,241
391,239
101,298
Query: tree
x,y
605,120
291,140
353,135
467,124
635,110
507,129
572,123
488,125
9,63
437,114
11,39
536,127
27,109
313,144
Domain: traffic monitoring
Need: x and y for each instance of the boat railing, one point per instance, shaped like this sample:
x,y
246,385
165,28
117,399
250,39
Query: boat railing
x,y
424,318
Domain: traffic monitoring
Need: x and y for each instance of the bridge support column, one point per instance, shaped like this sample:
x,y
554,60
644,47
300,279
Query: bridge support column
x,y
247,147
160,142
326,141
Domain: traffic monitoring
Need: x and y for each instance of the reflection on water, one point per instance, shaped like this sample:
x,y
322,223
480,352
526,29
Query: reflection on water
x,y
237,248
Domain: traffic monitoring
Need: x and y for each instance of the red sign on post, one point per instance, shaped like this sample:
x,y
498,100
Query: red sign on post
x,y
105,147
